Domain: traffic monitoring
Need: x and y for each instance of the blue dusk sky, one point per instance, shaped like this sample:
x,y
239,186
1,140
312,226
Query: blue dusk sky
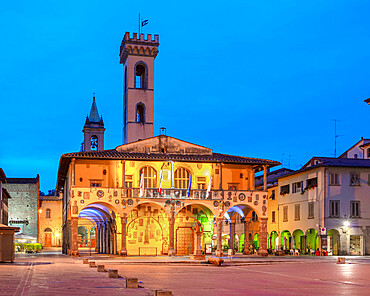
x,y
259,78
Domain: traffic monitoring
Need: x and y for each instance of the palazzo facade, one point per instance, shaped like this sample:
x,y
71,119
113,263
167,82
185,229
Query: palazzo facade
x,y
164,216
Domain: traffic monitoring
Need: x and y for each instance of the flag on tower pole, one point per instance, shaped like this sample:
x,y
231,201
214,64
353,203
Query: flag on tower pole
x,y
189,188
141,191
209,186
160,182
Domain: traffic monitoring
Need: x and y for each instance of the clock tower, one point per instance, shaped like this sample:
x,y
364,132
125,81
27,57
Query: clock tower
x,y
137,54
93,130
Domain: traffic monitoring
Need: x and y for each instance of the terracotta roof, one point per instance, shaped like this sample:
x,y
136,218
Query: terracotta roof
x,y
116,155
332,162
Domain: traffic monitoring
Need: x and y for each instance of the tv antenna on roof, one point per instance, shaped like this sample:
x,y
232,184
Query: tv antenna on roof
x,y
142,23
335,136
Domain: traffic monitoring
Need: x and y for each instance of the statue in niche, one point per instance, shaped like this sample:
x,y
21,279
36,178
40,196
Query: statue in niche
x,y
75,208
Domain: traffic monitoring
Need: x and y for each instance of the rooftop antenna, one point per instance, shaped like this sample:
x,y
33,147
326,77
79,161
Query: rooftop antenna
x,y
335,137
142,23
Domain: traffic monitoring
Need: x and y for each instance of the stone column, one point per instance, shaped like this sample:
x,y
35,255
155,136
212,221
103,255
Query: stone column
x,y
197,243
171,220
172,175
265,177
246,238
123,251
73,171
305,245
74,236
219,252
232,235
262,249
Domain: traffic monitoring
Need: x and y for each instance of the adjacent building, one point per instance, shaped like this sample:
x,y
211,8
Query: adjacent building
x,y
50,221
23,204
324,205
4,197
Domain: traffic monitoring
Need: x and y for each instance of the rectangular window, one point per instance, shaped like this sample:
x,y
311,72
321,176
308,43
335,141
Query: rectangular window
x,y
311,183
311,210
297,212
284,189
354,179
147,149
334,208
95,184
128,185
297,187
285,214
273,216
368,179
355,209
333,179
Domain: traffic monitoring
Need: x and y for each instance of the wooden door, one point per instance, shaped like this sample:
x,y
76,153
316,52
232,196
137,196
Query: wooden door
x,y
184,241
47,239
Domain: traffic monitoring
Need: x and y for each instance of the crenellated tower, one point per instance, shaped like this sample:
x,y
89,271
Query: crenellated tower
x,y
137,56
93,130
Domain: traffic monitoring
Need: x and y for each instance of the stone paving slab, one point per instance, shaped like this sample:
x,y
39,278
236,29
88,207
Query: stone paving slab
x,y
59,275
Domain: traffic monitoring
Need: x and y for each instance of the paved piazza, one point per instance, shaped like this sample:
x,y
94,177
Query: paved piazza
x,y
56,274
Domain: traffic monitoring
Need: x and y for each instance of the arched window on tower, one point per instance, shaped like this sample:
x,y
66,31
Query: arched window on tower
x,y
140,113
140,76
182,177
94,143
150,177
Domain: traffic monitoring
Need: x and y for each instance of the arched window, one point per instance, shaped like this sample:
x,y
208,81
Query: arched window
x,y
368,153
94,142
140,76
140,113
150,177
48,230
254,216
182,177
47,213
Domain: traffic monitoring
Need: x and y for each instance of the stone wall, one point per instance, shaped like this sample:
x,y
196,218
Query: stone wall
x,y
23,204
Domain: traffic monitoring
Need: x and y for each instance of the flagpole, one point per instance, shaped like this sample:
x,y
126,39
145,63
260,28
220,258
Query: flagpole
x,y
139,24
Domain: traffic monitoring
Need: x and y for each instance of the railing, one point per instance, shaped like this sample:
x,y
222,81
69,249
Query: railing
x,y
227,195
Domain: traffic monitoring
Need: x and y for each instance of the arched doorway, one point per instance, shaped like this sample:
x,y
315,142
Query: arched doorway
x,y
83,237
192,221
298,240
312,240
286,240
333,242
48,234
274,240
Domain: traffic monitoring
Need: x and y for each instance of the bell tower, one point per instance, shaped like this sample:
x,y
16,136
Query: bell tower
x,y
137,56
93,130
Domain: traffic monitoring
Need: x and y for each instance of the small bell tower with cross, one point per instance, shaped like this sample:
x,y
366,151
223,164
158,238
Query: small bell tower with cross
x,y
93,130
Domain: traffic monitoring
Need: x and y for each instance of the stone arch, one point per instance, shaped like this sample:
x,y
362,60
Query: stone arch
x,y
298,240
333,242
191,220
286,240
48,229
312,239
147,229
103,216
274,238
